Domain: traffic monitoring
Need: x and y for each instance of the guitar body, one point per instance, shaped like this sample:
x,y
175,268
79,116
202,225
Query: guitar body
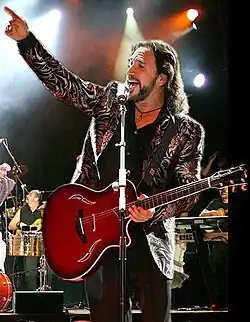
x,y
79,225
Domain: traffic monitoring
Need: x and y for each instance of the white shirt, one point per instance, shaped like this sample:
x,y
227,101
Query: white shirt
x,y
6,184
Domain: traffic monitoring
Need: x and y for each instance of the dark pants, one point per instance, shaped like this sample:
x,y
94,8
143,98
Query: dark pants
x,y
26,273
220,267
144,280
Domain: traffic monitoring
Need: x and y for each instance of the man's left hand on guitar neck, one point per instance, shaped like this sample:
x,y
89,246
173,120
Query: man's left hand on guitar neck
x,y
138,214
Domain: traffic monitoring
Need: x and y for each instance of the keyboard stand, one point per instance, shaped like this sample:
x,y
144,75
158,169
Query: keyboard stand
x,y
205,264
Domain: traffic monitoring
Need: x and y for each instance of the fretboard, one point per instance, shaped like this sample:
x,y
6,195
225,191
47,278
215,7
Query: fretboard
x,y
174,194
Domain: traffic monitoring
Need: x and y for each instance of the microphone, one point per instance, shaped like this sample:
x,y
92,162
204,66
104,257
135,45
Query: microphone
x,y
122,93
2,140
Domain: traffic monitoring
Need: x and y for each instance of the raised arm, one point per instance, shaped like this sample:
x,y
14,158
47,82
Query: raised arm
x,y
63,84
206,170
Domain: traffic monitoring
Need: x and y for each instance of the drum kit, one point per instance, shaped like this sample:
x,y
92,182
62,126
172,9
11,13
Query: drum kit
x,y
27,242
24,244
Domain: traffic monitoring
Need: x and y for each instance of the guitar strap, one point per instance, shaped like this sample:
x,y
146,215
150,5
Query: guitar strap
x,y
157,157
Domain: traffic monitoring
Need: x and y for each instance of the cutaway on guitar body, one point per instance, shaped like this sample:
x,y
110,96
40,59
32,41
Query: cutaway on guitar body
x,y
79,225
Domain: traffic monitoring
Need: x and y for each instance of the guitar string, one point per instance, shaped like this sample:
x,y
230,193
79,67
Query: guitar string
x,y
105,213
108,212
100,215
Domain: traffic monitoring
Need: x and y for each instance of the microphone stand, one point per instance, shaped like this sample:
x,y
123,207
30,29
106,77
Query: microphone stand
x,y
15,163
122,208
16,178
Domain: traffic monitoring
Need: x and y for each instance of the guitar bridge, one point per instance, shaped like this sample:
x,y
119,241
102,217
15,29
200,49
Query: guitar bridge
x,y
93,223
80,229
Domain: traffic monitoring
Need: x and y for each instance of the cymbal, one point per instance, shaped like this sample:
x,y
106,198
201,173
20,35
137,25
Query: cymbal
x,y
18,172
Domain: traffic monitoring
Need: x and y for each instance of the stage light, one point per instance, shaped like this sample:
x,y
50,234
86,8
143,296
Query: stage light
x,y
199,80
192,14
55,14
130,11
194,26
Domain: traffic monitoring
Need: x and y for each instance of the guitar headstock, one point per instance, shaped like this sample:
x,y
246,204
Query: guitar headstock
x,y
235,176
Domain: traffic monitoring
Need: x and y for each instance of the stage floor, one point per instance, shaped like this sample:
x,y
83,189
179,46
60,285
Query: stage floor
x,y
82,315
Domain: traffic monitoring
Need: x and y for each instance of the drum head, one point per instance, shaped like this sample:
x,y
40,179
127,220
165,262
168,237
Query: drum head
x,y
6,291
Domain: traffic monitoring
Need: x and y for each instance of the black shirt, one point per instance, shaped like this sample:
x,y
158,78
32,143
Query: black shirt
x,y
137,142
27,216
216,204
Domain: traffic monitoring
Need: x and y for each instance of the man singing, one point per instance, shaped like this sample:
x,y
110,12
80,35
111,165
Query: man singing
x,y
156,99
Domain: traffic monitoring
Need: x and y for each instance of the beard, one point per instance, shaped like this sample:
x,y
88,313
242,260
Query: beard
x,y
144,91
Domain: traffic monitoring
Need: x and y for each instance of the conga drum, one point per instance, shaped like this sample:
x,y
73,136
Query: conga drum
x,y
6,291
25,244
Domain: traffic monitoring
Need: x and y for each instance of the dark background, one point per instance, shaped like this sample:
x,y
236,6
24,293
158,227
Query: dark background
x,y
47,136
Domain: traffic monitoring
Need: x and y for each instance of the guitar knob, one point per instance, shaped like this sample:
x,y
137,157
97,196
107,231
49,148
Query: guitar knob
x,y
244,187
115,185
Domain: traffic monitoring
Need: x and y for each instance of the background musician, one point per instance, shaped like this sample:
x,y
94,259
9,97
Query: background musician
x,y
6,186
218,207
218,240
180,245
29,215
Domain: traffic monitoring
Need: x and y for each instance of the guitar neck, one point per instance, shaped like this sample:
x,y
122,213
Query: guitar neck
x,y
174,194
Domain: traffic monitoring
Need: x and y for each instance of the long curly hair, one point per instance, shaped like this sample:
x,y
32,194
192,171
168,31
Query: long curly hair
x,y
167,63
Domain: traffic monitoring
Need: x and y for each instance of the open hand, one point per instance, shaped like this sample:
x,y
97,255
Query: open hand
x,y
17,28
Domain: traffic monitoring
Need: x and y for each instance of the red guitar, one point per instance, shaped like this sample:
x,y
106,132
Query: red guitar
x,y
80,224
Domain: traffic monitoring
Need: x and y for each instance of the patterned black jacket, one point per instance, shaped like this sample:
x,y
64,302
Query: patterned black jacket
x,y
182,159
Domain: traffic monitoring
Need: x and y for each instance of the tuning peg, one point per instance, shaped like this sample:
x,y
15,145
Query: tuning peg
x,y
244,187
233,189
